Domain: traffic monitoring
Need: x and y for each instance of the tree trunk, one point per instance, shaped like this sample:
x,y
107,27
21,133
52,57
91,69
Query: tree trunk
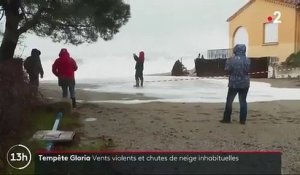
x,y
11,35
8,46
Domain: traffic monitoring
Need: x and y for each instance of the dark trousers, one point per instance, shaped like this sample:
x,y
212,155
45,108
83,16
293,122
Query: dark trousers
x,y
243,103
65,91
68,84
139,77
71,88
34,81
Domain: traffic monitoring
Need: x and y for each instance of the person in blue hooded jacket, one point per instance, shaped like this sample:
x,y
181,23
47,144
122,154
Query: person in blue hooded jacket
x,y
238,67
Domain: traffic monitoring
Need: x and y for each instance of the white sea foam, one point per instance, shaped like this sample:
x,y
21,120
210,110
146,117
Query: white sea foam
x,y
188,90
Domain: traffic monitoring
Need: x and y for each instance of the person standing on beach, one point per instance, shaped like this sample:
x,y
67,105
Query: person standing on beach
x,y
33,67
139,67
64,68
239,82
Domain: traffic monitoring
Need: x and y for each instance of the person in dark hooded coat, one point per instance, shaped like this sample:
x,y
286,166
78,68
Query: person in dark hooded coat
x,y
239,82
64,68
33,67
139,67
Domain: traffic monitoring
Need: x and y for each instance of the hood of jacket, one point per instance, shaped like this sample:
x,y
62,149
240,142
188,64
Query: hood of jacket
x,y
64,54
239,50
35,52
142,56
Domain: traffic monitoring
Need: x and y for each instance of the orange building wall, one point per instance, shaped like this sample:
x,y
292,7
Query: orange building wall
x,y
253,19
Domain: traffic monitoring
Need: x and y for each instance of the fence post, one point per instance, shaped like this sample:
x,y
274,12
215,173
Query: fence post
x,y
59,116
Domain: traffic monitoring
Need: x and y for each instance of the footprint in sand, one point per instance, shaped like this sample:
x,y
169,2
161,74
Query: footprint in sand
x,y
155,118
177,118
113,120
205,120
204,113
248,144
185,137
284,112
277,119
253,116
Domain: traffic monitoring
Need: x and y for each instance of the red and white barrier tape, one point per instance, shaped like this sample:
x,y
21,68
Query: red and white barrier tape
x,y
263,72
198,78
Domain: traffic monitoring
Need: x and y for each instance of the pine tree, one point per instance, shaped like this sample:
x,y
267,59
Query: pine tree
x,y
71,21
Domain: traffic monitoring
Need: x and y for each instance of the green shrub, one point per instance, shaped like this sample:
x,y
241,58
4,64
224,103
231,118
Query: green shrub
x,y
16,97
293,60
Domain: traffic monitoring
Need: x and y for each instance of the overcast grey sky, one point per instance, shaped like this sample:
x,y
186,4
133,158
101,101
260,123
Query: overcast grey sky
x,y
164,29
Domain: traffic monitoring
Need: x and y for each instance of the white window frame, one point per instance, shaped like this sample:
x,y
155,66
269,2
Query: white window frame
x,y
271,33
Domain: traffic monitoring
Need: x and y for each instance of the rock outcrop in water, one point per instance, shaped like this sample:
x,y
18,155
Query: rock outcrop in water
x,y
179,69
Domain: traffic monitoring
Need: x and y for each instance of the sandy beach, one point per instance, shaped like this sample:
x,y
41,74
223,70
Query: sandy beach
x,y
271,125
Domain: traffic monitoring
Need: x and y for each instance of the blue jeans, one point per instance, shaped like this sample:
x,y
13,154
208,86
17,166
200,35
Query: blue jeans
x,y
243,103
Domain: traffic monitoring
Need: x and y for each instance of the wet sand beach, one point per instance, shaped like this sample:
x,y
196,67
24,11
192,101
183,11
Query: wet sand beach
x,y
271,125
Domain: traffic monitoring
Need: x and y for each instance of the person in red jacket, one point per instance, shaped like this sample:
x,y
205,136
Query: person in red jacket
x,y
64,68
139,67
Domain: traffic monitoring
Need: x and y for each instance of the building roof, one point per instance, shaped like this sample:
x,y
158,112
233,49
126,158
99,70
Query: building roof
x,y
289,3
292,2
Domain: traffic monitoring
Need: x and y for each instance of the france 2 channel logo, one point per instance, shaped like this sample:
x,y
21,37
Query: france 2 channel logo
x,y
276,18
